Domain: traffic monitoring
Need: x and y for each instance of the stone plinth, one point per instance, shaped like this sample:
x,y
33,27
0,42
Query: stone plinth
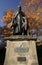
x,y
21,50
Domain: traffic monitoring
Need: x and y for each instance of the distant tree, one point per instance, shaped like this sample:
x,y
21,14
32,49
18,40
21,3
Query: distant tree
x,y
33,11
0,30
8,14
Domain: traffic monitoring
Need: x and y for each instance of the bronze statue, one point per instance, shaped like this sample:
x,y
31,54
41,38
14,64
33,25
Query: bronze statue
x,y
20,23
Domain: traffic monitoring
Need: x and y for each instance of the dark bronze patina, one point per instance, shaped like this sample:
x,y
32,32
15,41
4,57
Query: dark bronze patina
x,y
20,23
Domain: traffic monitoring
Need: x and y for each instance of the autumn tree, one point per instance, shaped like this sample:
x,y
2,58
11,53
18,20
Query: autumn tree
x,y
33,11
7,18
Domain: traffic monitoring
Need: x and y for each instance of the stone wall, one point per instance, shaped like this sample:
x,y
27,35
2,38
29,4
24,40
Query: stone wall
x,y
21,52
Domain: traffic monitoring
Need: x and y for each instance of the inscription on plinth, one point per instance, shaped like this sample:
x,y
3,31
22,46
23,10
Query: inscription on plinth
x,y
21,53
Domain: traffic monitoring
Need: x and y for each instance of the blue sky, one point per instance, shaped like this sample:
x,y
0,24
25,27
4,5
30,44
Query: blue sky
x,y
7,4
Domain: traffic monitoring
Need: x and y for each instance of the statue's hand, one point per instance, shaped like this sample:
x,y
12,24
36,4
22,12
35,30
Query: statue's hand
x,y
23,25
11,28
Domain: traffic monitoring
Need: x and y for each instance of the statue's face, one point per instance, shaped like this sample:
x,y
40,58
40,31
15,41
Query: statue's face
x,y
19,8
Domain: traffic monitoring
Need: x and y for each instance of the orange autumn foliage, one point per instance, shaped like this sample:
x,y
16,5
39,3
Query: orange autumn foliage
x,y
8,16
33,12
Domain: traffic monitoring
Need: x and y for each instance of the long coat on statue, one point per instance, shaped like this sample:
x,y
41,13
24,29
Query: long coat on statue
x,y
20,24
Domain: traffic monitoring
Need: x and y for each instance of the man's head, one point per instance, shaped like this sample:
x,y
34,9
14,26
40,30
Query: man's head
x,y
19,8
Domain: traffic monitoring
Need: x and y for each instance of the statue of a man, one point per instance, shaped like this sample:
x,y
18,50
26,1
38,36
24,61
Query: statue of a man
x,y
20,23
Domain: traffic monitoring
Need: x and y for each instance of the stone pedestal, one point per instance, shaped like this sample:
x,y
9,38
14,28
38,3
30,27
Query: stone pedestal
x,y
21,50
